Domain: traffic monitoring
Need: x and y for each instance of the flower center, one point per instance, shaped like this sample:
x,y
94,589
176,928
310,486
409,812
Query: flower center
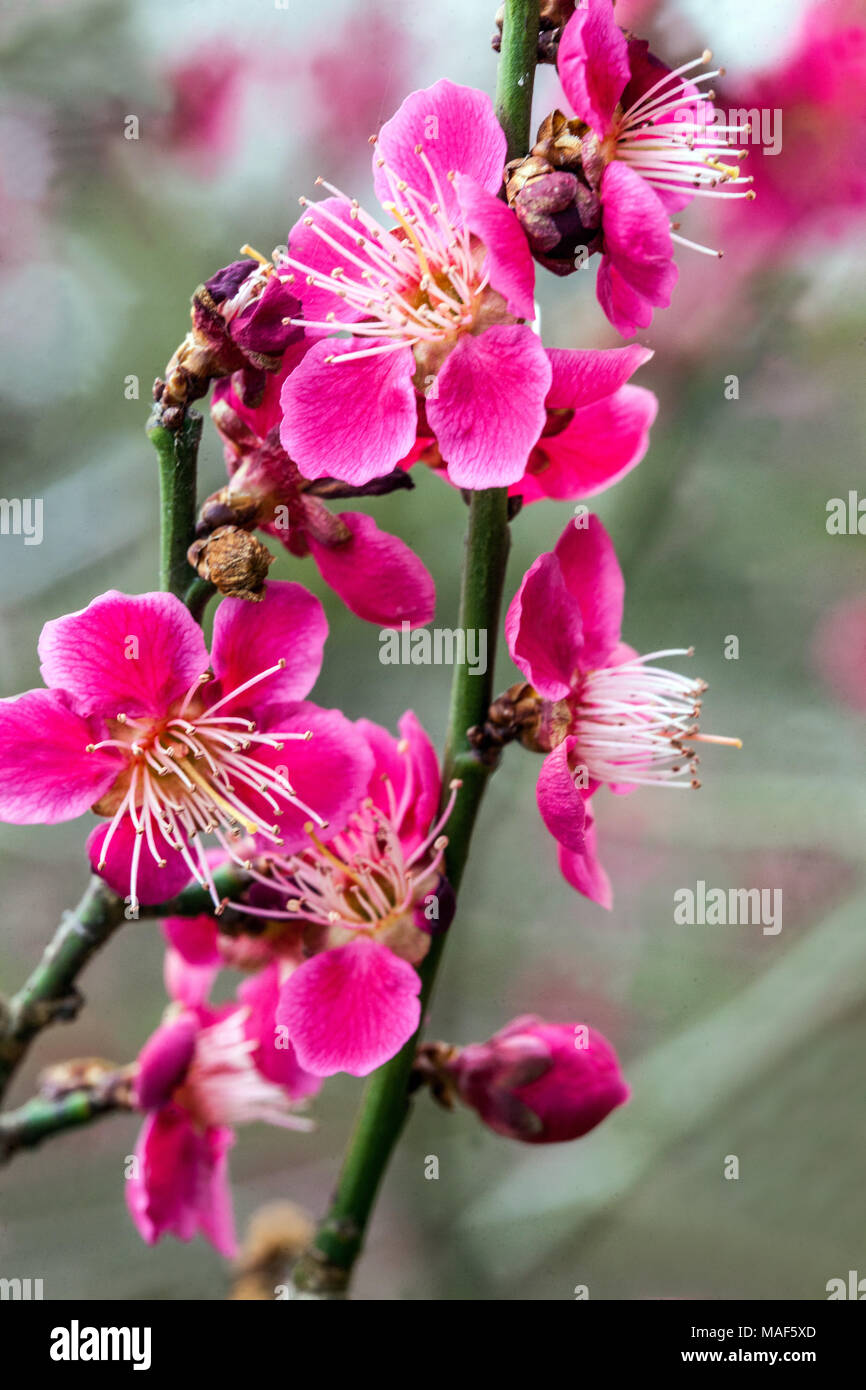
x,y
419,283
197,772
670,137
223,1086
633,722
363,879
251,287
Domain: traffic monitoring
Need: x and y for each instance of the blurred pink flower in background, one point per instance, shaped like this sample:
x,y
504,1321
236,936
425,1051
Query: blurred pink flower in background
x,y
839,651
816,182
355,75
631,12
27,166
206,93
649,151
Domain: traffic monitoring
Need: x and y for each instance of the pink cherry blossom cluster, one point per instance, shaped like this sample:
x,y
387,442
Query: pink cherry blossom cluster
x,y
372,343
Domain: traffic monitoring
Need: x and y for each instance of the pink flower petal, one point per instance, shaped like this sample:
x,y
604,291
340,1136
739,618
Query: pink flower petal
x,y
599,446
605,432
194,939
584,871
312,250
413,775
349,420
510,263
350,1009
637,273
329,773
646,71
376,575
181,1185
543,629
582,378
275,1056
560,800
459,132
124,654
623,306
593,577
164,1060
153,884
290,625
593,63
488,407
47,774
215,1214
188,984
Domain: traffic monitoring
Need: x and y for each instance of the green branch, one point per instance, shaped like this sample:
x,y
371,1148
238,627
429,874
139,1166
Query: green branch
x,y
195,901
515,77
50,994
178,466
324,1271
44,1116
198,596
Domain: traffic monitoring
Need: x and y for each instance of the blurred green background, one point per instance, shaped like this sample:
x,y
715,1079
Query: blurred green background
x,y
734,1043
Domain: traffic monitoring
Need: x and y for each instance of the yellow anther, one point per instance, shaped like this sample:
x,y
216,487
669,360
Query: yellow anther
x,y
392,207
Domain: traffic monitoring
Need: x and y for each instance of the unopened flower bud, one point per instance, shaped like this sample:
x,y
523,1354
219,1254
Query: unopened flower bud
x,y
554,193
235,562
242,323
540,1082
520,713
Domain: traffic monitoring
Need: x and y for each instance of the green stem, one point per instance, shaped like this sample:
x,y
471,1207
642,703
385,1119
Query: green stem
x,y
516,74
198,596
178,461
49,995
195,901
42,1117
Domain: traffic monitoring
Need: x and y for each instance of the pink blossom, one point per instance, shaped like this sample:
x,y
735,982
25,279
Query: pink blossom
x,y
596,426
347,922
815,182
377,575
434,306
136,727
353,74
539,1082
206,94
839,651
203,1072
608,716
648,149
369,903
